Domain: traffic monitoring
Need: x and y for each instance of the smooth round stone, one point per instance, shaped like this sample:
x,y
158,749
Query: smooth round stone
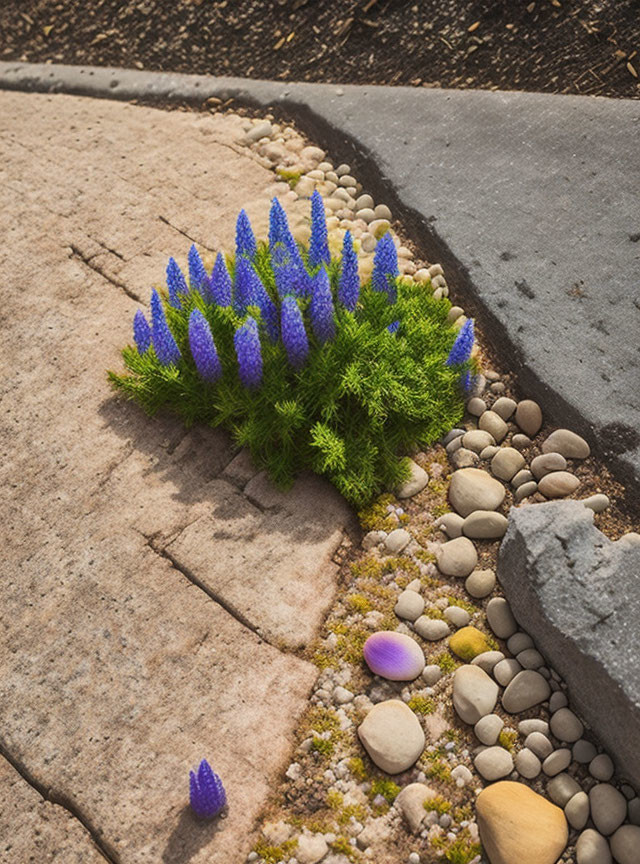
x,y
382,212
311,848
379,227
526,727
392,736
474,693
520,441
557,762
453,445
525,490
625,844
488,729
468,643
372,539
520,641
608,808
489,452
396,540
522,477
527,689
477,440
480,583
417,480
557,484
562,788
506,670
410,605
501,618
547,463
457,616
432,629
368,242
473,489
529,417
558,700
488,660
518,826
476,406
366,214
577,810
394,656
436,270
583,751
566,726
507,462
504,407
530,659
592,848
527,764
598,503
457,557
431,674
410,802
602,768
567,443
451,524
539,744
494,763
463,458
363,202
485,525
494,424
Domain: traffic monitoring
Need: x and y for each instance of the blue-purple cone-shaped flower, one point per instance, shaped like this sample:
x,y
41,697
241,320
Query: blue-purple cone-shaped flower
x,y
247,286
206,792
279,232
321,308
294,336
245,239
290,278
176,283
466,382
461,349
385,266
220,283
141,332
269,313
247,344
318,242
394,327
197,274
349,282
203,349
164,344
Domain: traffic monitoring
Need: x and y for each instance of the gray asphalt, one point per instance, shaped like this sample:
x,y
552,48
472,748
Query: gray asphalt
x,y
530,201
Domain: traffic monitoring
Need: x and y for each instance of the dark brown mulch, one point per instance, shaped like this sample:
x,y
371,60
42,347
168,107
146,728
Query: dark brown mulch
x,y
556,46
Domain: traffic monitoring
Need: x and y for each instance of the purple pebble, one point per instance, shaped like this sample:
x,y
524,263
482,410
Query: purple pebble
x,y
393,656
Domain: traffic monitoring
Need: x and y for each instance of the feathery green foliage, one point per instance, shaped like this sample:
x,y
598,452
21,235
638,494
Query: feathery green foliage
x,y
360,400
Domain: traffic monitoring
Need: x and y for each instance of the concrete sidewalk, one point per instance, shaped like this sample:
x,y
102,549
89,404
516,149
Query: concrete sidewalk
x,y
155,589
530,201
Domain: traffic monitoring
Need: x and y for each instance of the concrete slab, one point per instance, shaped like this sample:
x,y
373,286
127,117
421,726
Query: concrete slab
x,y
119,671
530,202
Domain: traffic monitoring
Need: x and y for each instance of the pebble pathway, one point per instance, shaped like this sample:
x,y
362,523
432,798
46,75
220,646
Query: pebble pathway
x,y
415,762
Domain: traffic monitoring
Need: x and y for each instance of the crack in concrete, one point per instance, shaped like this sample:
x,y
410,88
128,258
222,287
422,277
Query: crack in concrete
x,y
64,801
184,234
88,261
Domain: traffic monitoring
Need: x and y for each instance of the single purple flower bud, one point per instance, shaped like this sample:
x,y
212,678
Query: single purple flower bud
x,y
466,382
176,283
203,349
141,332
164,344
385,266
461,349
294,336
197,274
247,344
245,239
318,243
206,792
394,327
349,282
247,286
321,307
220,283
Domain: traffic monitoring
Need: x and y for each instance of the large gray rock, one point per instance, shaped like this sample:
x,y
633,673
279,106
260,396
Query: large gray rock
x,y
579,592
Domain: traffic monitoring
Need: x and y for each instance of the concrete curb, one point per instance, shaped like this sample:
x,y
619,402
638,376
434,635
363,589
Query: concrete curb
x,y
530,202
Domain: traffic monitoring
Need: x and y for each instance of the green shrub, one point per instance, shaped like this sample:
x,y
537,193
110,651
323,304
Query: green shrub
x,y
306,367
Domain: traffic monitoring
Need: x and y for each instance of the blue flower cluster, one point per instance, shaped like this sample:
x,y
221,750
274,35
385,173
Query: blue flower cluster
x,y
302,287
206,792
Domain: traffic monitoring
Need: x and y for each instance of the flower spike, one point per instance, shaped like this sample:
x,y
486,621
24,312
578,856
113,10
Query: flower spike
x,y
461,349
318,243
141,332
206,792
247,286
203,349
164,344
176,283
349,283
197,274
245,239
385,266
294,335
321,307
246,341
220,283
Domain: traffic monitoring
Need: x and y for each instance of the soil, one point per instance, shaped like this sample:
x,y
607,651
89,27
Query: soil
x,y
556,46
